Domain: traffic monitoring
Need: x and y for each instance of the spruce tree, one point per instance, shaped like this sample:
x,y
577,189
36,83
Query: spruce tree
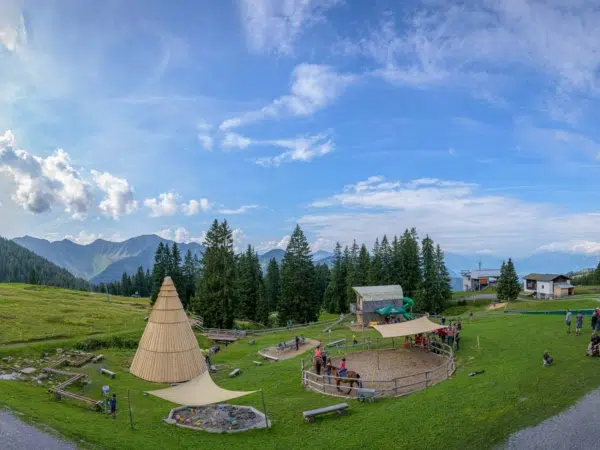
x,y
443,292
189,272
396,262
262,303
323,277
501,283
159,270
298,300
175,269
425,296
337,293
412,276
272,285
351,269
376,270
215,288
249,280
363,265
386,261
126,289
513,287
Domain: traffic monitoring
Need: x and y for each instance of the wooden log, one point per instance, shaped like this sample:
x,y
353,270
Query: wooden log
x,y
235,373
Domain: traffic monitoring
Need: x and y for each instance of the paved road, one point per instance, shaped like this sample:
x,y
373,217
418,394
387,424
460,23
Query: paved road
x,y
16,435
576,428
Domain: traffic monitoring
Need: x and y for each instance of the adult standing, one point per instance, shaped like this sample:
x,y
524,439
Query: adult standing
x,y
594,320
568,320
578,323
297,343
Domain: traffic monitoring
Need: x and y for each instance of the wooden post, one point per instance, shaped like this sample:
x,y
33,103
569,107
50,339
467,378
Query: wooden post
x,y
377,350
426,380
262,395
129,403
393,344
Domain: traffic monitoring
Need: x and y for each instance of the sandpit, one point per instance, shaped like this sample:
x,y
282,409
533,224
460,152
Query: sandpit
x,y
218,418
496,306
400,372
290,352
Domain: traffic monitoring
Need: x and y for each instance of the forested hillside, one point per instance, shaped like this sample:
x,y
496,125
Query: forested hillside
x,y
19,265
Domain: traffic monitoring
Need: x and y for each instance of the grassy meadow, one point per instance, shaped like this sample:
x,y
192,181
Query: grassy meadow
x,y
34,313
461,413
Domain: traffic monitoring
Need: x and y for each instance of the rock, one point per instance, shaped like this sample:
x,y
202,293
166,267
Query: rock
x,y
8,359
46,355
26,361
28,370
59,350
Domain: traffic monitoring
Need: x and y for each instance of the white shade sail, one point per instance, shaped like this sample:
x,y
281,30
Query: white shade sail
x,y
408,328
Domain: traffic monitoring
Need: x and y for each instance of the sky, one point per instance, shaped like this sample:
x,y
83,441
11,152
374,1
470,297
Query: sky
x,y
474,121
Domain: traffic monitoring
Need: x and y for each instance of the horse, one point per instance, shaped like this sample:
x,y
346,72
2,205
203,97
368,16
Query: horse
x,y
350,378
318,364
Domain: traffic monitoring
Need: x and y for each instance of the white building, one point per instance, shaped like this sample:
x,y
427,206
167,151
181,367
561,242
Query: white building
x,y
548,285
369,298
476,280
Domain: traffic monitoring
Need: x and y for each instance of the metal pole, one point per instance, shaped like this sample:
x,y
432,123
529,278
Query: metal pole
x,y
129,403
262,394
377,350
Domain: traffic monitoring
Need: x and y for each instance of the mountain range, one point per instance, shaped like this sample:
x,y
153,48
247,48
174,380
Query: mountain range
x,y
105,261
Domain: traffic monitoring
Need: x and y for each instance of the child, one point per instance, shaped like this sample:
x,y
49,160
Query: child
x,y
343,369
354,340
548,360
568,320
578,323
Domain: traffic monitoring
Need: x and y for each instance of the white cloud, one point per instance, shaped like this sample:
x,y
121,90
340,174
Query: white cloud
x,y
165,205
181,235
41,183
239,238
575,246
241,210
462,217
313,88
283,243
234,140
275,25
322,244
13,33
303,149
206,141
83,237
472,45
118,198
194,207
166,233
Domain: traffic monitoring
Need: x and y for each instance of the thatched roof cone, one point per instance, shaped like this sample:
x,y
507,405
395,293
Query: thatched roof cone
x,y
168,351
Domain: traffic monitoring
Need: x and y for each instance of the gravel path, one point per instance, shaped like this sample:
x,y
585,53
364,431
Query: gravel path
x,y
17,435
573,429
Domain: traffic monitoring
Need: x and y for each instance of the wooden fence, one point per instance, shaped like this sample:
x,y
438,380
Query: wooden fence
x,y
395,387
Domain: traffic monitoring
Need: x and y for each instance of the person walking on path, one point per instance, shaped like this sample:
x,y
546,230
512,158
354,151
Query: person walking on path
x,y
457,340
113,406
594,321
578,323
568,320
297,343
354,340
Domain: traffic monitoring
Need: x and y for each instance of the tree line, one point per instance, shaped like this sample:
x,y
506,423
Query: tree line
x,y
224,286
586,278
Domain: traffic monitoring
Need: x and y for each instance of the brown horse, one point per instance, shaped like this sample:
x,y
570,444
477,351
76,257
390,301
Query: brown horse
x,y
350,378
317,364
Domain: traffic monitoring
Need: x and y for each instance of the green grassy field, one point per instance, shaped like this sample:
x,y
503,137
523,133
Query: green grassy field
x,y
30,313
463,412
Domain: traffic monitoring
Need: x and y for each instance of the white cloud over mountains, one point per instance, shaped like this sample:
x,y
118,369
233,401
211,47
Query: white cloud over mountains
x,y
169,204
462,217
44,183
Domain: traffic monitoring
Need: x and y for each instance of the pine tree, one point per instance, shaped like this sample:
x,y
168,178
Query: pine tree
x,y
272,285
351,268
298,301
262,303
501,283
425,297
443,292
396,262
363,265
386,261
323,277
159,270
32,278
412,277
189,272
336,295
175,269
376,270
249,279
126,288
596,275
215,287
512,285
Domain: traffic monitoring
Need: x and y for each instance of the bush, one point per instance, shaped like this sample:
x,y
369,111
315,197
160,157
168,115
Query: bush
x,y
90,345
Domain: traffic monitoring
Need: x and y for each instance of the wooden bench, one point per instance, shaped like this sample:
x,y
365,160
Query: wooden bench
x,y
366,394
251,342
339,409
272,358
108,372
257,363
95,359
235,373
336,343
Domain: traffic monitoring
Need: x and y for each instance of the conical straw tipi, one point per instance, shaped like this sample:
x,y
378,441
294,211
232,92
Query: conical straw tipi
x,y
168,351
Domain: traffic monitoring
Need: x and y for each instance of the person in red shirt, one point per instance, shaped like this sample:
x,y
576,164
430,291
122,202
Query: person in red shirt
x,y
318,351
343,369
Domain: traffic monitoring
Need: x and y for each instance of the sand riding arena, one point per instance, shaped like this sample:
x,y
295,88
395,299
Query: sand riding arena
x,y
390,372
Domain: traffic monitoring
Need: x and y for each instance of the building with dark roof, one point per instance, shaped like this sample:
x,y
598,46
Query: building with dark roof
x,y
548,285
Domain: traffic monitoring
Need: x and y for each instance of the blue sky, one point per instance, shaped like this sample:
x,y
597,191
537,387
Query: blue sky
x,y
474,123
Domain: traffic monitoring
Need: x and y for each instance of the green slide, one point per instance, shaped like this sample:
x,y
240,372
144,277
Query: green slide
x,y
408,303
